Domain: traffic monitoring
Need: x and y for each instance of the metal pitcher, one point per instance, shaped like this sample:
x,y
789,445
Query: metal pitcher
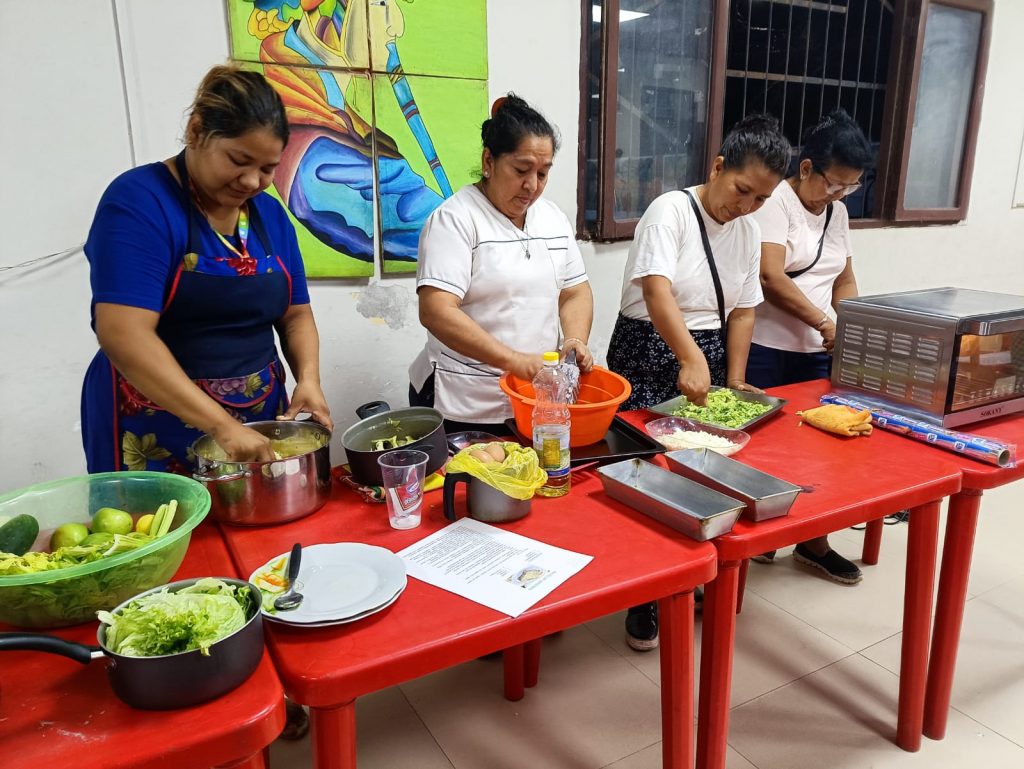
x,y
484,502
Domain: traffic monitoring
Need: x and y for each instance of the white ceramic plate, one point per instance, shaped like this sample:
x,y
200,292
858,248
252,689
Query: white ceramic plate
x,y
283,618
338,581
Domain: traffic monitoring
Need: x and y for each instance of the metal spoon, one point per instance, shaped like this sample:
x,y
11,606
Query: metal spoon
x,y
291,598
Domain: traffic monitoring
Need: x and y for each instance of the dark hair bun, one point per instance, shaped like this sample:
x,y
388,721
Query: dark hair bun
x,y
757,138
837,139
512,120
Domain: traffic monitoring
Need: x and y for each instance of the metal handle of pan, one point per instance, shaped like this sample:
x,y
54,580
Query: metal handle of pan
x,y
82,653
219,478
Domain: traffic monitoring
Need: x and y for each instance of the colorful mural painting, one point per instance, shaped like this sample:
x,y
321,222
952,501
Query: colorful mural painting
x,y
385,100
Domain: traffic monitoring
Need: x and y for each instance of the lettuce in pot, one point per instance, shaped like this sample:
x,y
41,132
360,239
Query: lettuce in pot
x,y
195,617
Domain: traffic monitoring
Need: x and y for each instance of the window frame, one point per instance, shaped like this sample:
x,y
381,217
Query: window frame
x,y
916,24
908,35
607,227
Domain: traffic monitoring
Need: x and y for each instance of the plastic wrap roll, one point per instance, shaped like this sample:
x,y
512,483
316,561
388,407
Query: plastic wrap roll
x,y
975,446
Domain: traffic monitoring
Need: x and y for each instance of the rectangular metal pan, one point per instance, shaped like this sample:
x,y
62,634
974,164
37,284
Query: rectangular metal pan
x,y
679,503
669,407
764,495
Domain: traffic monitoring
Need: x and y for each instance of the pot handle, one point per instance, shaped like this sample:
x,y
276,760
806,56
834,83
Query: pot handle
x,y
50,644
372,409
217,479
451,480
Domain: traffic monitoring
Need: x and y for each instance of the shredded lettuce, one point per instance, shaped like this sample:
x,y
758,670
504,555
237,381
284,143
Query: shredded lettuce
x,y
195,617
723,408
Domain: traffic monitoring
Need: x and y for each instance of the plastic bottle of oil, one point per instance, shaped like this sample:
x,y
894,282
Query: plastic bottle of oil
x,y
551,426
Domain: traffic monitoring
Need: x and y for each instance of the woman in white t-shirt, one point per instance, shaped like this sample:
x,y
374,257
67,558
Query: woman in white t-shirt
x,y
690,283
806,269
690,287
500,278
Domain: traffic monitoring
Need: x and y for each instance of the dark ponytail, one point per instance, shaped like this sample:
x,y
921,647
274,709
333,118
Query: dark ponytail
x,y
512,120
756,138
836,140
232,101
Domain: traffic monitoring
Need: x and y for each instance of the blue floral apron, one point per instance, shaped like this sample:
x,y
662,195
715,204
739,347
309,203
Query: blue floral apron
x,y
218,322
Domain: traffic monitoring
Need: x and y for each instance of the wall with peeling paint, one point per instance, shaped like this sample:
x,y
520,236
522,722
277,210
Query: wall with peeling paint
x,y
369,330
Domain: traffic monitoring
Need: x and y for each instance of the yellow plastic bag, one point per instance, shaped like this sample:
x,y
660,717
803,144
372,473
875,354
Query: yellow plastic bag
x,y
519,475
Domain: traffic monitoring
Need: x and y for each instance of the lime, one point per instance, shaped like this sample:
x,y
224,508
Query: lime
x,y
112,521
99,539
68,535
145,522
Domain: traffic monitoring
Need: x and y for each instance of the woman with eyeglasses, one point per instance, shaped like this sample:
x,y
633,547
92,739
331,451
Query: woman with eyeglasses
x,y
806,269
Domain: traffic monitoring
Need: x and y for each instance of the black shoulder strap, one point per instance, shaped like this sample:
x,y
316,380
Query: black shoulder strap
x,y
711,258
821,244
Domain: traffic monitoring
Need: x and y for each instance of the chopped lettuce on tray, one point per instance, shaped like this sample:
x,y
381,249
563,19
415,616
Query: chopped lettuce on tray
x,y
723,408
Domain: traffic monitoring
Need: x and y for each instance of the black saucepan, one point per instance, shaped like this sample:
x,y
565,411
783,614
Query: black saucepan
x,y
172,680
424,425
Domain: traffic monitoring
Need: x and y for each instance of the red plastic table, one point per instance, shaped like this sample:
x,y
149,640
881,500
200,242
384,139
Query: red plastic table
x,y
846,481
958,548
427,629
57,712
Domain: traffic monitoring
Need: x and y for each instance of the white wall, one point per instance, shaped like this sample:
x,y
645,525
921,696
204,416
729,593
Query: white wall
x,y
65,136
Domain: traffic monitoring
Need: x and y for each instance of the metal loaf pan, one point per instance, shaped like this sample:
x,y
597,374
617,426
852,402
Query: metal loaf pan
x,y
689,508
764,495
775,405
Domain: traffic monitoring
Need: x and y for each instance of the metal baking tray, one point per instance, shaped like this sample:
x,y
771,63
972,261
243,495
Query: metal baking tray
x,y
689,508
669,407
764,495
622,441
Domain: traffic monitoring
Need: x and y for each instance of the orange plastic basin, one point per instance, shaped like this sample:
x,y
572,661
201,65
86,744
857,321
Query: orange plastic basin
x,y
601,393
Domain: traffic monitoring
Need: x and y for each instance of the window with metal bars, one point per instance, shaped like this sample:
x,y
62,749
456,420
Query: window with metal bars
x,y
661,79
799,60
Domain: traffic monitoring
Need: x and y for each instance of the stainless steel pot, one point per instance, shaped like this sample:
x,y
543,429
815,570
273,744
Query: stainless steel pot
x,y
261,493
484,502
424,425
172,680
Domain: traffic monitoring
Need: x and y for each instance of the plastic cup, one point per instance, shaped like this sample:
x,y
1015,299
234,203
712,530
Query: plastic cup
x,y
403,472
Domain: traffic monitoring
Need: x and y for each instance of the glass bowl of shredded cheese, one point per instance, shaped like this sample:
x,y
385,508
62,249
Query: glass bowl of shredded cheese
x,y
678,433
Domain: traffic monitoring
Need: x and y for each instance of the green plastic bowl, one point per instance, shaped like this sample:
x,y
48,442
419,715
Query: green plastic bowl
x,y
70,596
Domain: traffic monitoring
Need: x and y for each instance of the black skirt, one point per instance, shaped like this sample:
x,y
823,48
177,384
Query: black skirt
x,y
638,353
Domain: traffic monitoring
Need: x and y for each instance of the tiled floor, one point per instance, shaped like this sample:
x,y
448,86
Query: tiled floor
x,y
814,684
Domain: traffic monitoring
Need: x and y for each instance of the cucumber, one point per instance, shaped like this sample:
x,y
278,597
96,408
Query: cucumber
x,y
18,534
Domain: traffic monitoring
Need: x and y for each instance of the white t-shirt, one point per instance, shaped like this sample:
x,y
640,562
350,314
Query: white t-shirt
x,y
667,242
785,221
509,281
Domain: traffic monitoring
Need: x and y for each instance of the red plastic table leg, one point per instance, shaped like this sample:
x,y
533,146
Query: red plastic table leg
x,y
742,586
514,661
958,547
531,663
917,610
254,761
675,621
716,654
872,541
334,736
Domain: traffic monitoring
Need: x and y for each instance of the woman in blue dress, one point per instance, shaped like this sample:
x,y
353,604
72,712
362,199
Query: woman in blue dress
x,y
193,268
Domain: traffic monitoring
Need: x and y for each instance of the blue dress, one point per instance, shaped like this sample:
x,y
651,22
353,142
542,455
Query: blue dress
x,y
149,247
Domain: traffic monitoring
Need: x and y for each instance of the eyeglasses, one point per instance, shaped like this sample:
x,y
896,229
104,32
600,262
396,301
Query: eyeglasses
x,y
831,187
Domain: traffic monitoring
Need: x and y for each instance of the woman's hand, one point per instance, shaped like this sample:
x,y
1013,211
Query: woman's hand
x,y
739,384
308,398
243,444
828,334
584,358
526,366
695,380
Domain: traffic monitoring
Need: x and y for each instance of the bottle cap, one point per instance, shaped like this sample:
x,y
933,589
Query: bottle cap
x,y
551,357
